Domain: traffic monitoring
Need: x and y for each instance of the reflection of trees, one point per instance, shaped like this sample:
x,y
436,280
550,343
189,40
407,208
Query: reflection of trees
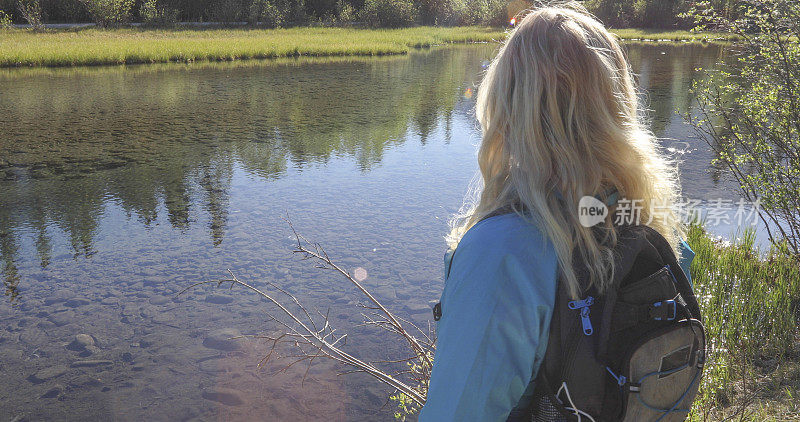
x,y
666,78
144,137
8,250
214,180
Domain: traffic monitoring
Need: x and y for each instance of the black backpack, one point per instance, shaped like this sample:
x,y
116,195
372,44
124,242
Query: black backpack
x,y
634,353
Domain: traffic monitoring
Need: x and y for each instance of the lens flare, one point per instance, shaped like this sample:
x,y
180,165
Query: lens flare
x,y
360,274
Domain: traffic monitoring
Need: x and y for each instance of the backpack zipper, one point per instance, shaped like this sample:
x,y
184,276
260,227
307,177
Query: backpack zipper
x,y
573,337
583,306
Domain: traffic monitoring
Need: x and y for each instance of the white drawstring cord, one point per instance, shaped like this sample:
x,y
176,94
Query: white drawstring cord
x,y
577,411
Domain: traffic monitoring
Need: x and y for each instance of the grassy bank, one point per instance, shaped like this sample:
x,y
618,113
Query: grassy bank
x,y
127,46
92,46
679,35
751,307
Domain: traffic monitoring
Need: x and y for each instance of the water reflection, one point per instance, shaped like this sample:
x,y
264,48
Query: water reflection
x,y
75,139
665,74
73,142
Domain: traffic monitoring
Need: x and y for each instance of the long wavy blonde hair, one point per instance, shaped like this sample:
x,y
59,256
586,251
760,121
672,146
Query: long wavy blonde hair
x,y
560,119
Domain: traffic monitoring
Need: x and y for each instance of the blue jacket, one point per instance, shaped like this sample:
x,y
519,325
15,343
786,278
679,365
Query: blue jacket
x,y
496,308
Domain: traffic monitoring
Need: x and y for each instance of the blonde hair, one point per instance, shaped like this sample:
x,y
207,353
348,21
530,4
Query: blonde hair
x,y
560,119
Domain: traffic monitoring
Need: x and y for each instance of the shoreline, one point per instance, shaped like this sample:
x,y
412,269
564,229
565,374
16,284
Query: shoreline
x,y
82,46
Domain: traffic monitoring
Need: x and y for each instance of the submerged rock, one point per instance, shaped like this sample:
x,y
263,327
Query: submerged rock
x,y
219,299
77,301
90,363
213,366
88,351
54,299
52,393
61,318
418,309
151,340
159,300
33,337
81,342
48,373
223,339
85,381
226,396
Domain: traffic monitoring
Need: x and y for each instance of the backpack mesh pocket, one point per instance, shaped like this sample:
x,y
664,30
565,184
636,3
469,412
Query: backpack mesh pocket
x,y
546,411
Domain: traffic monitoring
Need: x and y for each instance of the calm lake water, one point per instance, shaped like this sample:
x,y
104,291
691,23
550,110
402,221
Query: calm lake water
x,y
119,187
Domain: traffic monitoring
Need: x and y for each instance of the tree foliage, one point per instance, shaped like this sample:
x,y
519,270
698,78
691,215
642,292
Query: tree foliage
x,y
615,13
106,13
266,13
640,13
31,11
153,12
5,20
270,13
388,13
751,108
226,11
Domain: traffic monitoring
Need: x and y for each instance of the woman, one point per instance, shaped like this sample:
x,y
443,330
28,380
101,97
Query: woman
x,y
560,120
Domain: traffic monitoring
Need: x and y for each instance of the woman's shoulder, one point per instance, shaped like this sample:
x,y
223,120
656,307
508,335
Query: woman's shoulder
x,y
505,232
505,257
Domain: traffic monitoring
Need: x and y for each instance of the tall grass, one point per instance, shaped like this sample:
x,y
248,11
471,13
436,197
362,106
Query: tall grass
x,y
677,35
750,303
129,45
91,46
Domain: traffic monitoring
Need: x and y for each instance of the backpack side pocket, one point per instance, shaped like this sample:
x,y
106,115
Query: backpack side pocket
x,y
662,373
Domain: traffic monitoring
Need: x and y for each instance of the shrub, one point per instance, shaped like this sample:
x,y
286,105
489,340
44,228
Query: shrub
x,y
345,13
485,12
69,11
297,10
750,110
616,13
266,13
226,11
451,12
465,12
109,12
31,11
5,20
155,14
388,13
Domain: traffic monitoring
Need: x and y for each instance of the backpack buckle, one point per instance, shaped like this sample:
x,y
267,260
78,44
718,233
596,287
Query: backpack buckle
x,y
437,311
665,310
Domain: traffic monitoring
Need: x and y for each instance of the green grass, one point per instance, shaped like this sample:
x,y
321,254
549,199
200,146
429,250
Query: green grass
x,y
127,46
82,47
751,306
678,35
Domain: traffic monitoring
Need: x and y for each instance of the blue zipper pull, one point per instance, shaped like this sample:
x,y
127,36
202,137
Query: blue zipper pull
x,y
587,323
584,305
578,304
